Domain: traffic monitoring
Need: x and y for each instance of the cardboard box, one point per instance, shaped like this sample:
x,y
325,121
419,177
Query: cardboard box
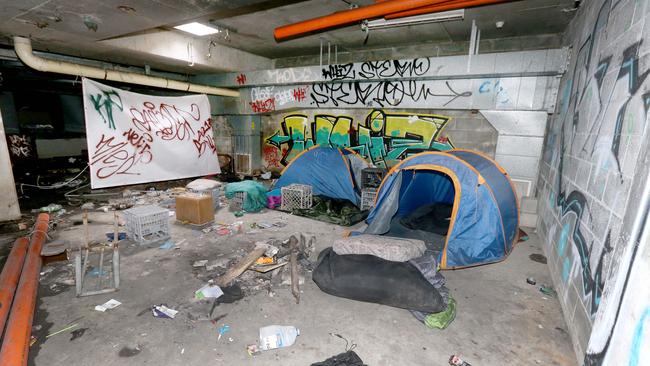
x,y
194,208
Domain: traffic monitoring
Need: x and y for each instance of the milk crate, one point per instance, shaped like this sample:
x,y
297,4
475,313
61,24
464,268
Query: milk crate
x,y
147,223
296,196
372,177
237,201
368,198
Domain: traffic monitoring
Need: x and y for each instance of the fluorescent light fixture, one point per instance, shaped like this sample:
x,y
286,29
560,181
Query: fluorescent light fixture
x,y
197,29
417,19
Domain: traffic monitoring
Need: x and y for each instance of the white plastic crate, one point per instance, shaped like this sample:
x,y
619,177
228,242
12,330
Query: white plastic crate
x,y
296,196
368,198
147,223
237,201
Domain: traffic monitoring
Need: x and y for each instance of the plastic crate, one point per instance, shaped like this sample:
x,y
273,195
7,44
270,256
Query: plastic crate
x,y
147,223
237,201
215,193
368,198
372,177
296,196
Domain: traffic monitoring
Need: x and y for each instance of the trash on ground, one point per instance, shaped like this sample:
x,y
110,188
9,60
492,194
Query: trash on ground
x,y
349,358
277,336
62,330
523,236
223,330
457,361
200,263
253,350
442,319
265,260
162,311
120,236
263,268
108,305
531,281
167,245
208,291
52,207
547,290
243,264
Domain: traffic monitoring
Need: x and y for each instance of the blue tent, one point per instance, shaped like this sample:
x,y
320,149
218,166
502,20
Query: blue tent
x,y
484,220
331,172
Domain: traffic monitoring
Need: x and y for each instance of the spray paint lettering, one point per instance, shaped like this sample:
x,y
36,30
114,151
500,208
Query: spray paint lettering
x,y
299,94
115,157
104,102
261,106
168,121
383,138
378,69
382,94
241,79
204,139
20,146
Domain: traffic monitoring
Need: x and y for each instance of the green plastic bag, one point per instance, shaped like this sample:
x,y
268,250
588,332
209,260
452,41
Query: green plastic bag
x,y
255,194
442,319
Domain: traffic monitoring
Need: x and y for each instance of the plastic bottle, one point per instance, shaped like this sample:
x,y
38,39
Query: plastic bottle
x,y
277,336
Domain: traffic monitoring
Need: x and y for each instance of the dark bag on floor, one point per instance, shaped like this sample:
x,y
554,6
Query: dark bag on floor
x,y
349,358
372,279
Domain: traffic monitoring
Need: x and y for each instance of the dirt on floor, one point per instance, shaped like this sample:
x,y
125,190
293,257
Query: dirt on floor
x,y
501,319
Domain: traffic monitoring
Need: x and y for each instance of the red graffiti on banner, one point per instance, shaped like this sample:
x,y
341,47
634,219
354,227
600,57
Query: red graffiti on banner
x,y
168,121
113,157
241,79
299,94
204,139
261,106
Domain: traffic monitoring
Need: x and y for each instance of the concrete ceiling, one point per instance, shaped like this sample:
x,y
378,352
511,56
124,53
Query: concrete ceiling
x,y
129,31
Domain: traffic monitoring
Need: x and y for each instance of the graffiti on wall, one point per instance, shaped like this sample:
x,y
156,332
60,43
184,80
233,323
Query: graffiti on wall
x,y
20,146
383,138
593,146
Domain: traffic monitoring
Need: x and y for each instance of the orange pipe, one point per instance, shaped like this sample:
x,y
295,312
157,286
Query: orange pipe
x,y
350,16
449,5
15,344
10,276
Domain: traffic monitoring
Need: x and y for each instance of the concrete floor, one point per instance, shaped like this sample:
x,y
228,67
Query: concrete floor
x,y
501,320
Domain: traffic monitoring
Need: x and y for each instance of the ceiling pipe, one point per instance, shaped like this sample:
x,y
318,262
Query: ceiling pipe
x,y
350,16
23,48
448,5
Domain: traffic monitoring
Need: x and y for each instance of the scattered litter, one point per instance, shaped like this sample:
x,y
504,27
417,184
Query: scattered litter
x,y
78,333
223,330
120,236
88,206
32,340
349,358
253,350
167,245
62,330
208,291
110,304
130,352
442,319
263,268
22,226
523,236
52,207
457,361
547,290
162,311
182,351
214,264
200,263
531,281
265,260
277,336
236,227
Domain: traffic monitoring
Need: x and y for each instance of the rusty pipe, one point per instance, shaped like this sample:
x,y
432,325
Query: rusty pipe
x,y
10,276
15,344
448,5
350,16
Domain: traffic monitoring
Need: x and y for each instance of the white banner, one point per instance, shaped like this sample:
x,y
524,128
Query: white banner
x,y
136,138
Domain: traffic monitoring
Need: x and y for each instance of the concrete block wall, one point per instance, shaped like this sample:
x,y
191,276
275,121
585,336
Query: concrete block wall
x,y
591,158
